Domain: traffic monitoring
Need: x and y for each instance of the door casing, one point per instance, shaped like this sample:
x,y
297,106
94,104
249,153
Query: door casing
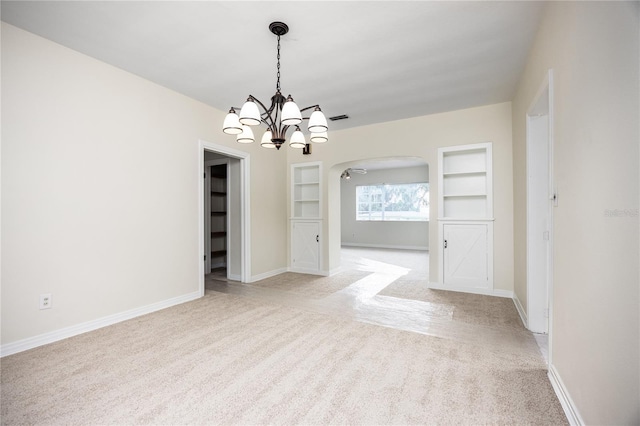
x,y
541,198
245,228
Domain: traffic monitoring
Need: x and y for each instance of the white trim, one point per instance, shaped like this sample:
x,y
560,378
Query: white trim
x,y
486,291
245,223
309,271
385,246
333,271
218,265
268,274
233,277
570,409
207,223
74,330
520,309
535,306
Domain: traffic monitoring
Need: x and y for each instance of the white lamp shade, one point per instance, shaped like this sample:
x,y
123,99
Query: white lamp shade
x,y
266,140
297,140
291,113
249,114
231,125
317,122
319,137
246,136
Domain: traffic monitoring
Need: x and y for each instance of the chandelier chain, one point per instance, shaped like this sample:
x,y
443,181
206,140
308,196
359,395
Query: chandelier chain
x,y
278,82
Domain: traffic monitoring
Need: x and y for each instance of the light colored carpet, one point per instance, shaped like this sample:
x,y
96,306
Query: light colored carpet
x,y
312,286
469,308
228,359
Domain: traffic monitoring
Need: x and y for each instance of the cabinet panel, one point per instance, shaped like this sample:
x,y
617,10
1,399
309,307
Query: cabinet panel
x,y
466,255
305,246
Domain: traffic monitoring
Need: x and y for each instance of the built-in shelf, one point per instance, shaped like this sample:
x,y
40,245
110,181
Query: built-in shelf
x,y
465,182
306,217
305,190
465,217
219,188
482,172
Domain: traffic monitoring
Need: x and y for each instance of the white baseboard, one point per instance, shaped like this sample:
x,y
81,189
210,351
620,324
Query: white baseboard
x,y
521,312
74,330
219,265
485,291
309,271
568,406
334,271
234,277
269,274
386,246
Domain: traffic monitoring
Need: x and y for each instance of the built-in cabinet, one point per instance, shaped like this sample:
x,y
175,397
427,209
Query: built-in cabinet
x,y
218,224
465,216
306,217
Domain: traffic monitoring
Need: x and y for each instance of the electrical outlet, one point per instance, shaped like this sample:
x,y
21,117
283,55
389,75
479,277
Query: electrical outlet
x,y
45,301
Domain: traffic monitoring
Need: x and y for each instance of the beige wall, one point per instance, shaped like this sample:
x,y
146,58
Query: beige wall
x,y
421,137
99,189
593,51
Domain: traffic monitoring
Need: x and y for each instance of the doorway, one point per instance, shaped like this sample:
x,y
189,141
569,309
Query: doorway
x,y
223,231
221,219
540,201
384,205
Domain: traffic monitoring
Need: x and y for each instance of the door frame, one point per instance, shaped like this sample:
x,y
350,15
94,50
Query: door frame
x,y
542,104
245,226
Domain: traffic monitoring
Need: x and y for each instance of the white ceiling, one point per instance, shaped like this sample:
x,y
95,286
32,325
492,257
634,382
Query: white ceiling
x,y
374,61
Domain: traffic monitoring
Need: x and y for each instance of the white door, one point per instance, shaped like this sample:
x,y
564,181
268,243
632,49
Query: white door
x,y
466,255
305,246
540,201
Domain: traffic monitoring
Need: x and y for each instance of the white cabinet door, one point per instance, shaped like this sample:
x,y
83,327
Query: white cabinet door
x,y
466,255
305,246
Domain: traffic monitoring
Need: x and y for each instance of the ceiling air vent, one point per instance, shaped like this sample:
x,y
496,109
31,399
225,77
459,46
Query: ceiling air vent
x,y
339,117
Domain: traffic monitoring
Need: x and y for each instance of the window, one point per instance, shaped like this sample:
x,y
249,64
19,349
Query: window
x,y
398,202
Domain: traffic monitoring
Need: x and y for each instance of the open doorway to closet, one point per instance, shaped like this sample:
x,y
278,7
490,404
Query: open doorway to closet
x,y
224,203
218,233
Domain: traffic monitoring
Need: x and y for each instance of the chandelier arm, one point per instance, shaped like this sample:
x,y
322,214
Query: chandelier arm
x,y
283,132
269,111
266,111
309,107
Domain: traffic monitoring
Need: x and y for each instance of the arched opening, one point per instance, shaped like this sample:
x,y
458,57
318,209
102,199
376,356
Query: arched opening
x,y
378,216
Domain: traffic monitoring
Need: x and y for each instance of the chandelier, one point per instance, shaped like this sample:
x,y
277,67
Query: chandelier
x,y
279,117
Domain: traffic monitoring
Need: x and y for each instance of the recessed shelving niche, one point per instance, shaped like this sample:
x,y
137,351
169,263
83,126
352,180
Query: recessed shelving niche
x,y
465,184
